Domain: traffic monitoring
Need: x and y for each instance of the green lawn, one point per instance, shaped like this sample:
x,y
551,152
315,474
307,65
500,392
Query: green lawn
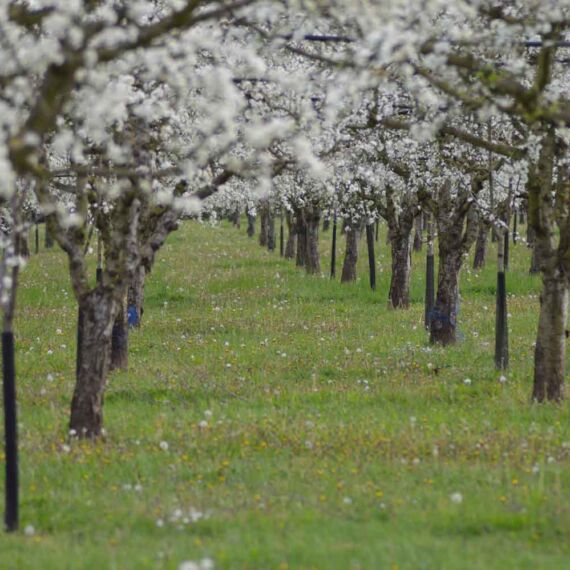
x,y
306,425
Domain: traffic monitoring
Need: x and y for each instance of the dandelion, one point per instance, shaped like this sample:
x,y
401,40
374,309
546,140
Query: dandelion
x,y
456,498
203,424
208,413
163,445
347,501
204,564
467,381
29,530
502,379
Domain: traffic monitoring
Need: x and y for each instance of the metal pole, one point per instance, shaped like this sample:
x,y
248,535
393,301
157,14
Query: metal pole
x,y
371,256
281,238
430,276
501,328
10,432
333,252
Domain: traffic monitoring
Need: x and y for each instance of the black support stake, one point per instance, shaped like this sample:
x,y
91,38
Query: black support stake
x,y
506,246
371,256
333,249
501,328
10,432
281,238
37,235
430,277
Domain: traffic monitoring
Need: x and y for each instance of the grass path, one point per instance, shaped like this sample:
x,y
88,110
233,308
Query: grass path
x,y
271,420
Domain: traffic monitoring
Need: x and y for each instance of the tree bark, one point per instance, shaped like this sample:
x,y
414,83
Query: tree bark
x,y
290,248
418,233
350,255
312,257
24,246
87,403
235,218
271,241
264,229
120,339
550,350
250,225
48,238
301,231
481,246
444,317
135,297
399,294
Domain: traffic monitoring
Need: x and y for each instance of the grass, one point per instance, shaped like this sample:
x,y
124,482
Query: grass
x,y
337,439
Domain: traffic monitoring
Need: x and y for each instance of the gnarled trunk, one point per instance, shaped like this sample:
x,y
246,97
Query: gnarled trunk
x,y
235,218
418,234
264,227
120,340
98,310
250,225
350,255
312,258
550,350
291,237
271,232
48,238
135,297
481,246
301,231
444,316
399,295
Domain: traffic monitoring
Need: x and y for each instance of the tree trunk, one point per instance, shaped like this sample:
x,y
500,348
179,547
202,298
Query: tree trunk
x,y
291,237
135,297
444,316
250,225
418,234
48,238
235,218
399,295
350,255
120,339
264,229
534,266
301,232
481,246
24,246
271,232
550,351
87,405
312,257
